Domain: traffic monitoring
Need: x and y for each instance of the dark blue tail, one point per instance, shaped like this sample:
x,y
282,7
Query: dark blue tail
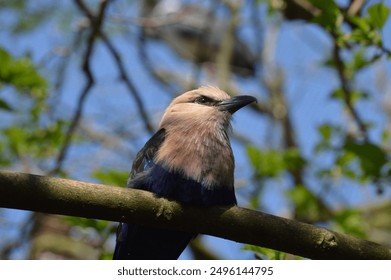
x,y
136,242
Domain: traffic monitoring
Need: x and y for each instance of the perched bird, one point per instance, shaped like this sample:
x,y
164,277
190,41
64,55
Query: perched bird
x,y
189,159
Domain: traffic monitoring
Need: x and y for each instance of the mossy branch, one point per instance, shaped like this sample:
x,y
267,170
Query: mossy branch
x,y
74,198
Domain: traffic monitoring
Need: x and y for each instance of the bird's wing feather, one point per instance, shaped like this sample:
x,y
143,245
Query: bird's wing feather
x,y
144,158
140,242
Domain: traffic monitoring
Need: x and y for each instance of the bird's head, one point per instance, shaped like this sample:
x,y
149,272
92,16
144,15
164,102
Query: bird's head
x,y
202,106
196,141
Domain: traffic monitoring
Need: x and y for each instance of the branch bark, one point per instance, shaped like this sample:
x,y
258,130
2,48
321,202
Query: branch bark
x,y
68,197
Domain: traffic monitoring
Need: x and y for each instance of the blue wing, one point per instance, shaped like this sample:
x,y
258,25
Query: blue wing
x,y
141,242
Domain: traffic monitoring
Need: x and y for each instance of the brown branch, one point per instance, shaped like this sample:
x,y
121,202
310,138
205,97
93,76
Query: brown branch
x,y
68,197
161,78
355,7
96,25
122,70
347,91
126,79
223,57
200,251
273,81
297,9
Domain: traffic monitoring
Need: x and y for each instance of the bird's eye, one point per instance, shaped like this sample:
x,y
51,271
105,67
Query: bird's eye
x,y
204,100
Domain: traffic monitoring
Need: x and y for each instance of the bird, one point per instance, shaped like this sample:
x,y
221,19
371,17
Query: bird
x,y
189,160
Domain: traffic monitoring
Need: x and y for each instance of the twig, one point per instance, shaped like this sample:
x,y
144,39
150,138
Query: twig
x,y
146,61
223,59
126,79
347,91
96,24
122,70
355,7
17,242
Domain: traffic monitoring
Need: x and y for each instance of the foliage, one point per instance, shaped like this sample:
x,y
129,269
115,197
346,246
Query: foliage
x,y
271,163
265,253
30,136
358,46
111,177
23,76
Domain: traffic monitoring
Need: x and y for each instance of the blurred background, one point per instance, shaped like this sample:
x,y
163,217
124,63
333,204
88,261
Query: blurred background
x,y
83,85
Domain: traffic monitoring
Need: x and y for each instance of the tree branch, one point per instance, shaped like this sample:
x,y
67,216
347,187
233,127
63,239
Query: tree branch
x,y
347,90
121,68
96,25
68,197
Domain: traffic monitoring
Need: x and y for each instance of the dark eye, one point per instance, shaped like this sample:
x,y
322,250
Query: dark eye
x,y
204,100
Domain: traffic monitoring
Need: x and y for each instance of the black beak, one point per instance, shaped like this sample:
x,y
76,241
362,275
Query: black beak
x,y
235,103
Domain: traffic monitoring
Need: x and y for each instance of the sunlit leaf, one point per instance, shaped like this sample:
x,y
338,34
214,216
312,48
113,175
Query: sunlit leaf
x,y
266,253
378,15
266,163
111,177
372,158
349,221
306,204
354,96
330,14
20,73
359,61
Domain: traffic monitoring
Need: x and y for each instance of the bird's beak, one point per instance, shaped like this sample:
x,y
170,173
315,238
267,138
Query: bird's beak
x,y
235,103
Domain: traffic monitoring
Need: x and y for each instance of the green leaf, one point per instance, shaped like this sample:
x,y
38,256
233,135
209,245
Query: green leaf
x,y
366,38
271,163
354,95
4,160
359,61
99,225
266,253
361,22
330,16
254,201
111,177
20,73
33,141
293,159
328,132
16,140
378,15
349,221
49,137
325,131
266,163
305,203
372,158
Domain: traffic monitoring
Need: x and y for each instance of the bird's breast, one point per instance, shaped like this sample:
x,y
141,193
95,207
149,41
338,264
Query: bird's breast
x,y
203,157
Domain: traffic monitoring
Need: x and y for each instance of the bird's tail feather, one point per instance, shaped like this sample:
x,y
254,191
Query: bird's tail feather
x,y
146,243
